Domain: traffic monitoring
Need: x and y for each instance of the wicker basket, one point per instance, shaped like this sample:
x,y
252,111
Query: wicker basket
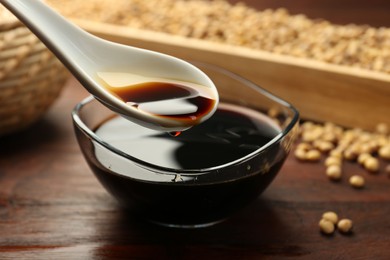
x,y
31,77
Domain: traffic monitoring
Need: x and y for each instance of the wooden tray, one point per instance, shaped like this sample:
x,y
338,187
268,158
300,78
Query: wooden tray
x,y
323,92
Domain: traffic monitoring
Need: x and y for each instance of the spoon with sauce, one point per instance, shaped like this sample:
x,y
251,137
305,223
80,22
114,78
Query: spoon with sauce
x,y
152,89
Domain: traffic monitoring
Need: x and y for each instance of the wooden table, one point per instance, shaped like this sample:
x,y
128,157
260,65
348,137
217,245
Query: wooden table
x,y
52,207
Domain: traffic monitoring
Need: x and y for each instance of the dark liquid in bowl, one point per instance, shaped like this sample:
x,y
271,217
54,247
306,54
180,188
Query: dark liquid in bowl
x,y
186,198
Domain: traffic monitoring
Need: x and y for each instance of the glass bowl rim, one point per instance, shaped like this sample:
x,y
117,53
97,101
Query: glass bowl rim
x,y
284,131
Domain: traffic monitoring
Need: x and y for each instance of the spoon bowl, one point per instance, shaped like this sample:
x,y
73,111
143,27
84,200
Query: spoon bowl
x,y
86,55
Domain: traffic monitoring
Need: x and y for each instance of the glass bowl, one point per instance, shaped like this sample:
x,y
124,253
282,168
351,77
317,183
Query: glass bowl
x,y
206,174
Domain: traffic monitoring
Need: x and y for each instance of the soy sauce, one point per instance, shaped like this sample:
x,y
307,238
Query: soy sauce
x,y
231,133
177,100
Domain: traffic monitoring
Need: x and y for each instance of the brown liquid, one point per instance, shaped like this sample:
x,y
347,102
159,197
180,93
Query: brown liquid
x,y
182,101
175,133
232,133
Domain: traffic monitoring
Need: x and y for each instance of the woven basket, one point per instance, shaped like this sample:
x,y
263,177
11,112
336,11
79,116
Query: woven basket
x,y
31,77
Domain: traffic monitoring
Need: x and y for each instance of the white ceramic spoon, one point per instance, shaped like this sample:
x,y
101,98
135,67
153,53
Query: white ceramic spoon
x,y
86,55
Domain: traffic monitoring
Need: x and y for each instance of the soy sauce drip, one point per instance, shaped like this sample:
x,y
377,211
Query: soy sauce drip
x,y
174,133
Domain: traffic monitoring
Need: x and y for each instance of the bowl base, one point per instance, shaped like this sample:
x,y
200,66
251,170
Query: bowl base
x,y
186,226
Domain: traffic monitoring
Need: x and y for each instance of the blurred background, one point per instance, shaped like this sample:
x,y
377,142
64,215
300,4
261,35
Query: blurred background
x,y
374,13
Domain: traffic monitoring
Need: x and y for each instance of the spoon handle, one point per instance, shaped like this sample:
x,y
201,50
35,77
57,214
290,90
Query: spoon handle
x,y
63,38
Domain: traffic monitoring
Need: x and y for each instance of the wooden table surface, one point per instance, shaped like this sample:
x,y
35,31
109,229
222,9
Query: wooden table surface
x,y
52,207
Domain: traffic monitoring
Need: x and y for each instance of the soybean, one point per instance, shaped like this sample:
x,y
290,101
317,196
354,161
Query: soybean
x,y
357,181
326,226
345,225
331,216
275,31
334,172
